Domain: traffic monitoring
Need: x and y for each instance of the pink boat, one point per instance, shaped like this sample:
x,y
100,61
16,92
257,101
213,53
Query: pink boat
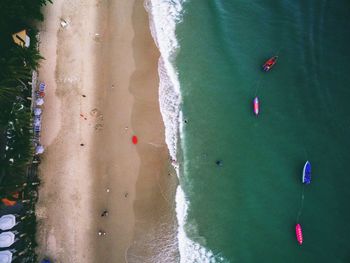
x,y
256,106
299,234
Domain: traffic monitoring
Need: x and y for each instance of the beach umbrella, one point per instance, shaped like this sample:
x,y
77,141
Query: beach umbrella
x,y
37,122
7,239
5,256
42,87
37,111
134,139
7,222
39,101
39,149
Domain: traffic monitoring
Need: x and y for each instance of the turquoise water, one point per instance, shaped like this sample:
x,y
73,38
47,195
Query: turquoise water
x,y
246,210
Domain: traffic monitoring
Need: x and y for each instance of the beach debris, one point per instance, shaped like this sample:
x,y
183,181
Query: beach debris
x,y
126,194
101,233
104,213
63,23
97,37
134,139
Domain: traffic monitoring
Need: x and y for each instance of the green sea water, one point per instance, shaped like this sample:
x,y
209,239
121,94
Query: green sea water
x,y
246,210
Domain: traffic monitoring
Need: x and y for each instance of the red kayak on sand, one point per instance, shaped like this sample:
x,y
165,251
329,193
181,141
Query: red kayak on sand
x,y
270,63
134,139
256,106
299,234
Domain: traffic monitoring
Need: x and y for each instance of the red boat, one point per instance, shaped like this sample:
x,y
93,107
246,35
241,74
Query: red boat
x,y
299,234
256,106
270,63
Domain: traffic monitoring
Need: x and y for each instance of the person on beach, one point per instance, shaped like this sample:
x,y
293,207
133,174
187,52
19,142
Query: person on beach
x,y
104,213
101,233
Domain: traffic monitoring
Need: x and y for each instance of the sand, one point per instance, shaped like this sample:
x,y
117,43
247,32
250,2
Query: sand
x,y
101,72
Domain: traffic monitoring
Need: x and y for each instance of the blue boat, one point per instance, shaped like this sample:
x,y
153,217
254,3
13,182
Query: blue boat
x,y
307,173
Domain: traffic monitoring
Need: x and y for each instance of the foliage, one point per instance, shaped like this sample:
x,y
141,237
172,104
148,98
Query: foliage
x,y
18,149
16,66
16,132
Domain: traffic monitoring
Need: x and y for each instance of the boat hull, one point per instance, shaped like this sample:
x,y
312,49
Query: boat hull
x,y
256,106
306,178
269,64
299,234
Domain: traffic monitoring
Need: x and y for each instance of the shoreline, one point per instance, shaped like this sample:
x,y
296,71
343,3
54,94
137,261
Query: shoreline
x,y
111,60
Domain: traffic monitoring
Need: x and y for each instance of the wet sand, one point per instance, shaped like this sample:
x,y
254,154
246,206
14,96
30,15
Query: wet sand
x,y
101,72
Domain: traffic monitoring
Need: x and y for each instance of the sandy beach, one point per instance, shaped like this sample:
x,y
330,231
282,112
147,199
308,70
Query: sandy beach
x,y
102,89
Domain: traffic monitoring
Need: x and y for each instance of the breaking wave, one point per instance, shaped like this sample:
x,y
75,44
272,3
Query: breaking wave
x,y
164,15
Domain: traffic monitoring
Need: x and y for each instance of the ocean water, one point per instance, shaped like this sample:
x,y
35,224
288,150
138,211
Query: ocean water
x,y
210,71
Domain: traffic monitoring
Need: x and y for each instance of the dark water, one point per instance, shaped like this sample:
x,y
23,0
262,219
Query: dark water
x,y
245,211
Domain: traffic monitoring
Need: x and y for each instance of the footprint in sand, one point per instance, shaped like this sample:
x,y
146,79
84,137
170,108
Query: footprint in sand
x,y
99,118
94,112
98,127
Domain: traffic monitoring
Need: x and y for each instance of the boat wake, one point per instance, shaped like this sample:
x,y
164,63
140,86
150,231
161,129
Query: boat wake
x,y
301,204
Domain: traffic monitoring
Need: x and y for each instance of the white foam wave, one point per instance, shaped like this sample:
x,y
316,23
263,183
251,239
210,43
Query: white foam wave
x,y
164,16
190,251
